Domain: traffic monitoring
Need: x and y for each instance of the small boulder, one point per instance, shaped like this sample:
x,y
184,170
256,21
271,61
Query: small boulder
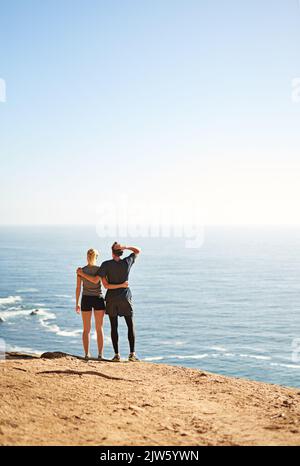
x,y
53,355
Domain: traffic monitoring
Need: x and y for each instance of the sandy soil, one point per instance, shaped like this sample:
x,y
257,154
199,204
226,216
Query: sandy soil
x,y
68,401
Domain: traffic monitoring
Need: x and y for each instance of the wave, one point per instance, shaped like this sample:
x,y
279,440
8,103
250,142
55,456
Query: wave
x,y
54,328
253,348
176,356
155,358
173,343
214,355
17,312
5,315
21,349
252,356
218,348
193,356
10,300
63,296
28,290
289,366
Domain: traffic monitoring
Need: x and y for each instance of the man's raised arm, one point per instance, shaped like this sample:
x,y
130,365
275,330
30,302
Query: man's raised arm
x,y
134,249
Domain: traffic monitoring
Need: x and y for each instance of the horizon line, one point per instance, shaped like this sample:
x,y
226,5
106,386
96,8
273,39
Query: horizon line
x,y
145,224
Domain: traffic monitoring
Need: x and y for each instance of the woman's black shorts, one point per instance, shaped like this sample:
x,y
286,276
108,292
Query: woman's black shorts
x,y
88,303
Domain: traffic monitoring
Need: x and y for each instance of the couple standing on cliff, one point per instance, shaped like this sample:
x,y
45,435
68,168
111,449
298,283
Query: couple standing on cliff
x,y
113,274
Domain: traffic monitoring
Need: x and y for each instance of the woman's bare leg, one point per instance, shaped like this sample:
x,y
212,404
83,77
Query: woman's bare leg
x,y
99,316
86,319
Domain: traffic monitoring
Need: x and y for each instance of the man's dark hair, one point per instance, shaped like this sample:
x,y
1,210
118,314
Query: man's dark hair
x,y
116,252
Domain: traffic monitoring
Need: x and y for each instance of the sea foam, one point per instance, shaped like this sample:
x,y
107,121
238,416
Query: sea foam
x,y
10,300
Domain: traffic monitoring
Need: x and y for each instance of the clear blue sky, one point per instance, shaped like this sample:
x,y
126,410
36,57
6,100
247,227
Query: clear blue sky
x,y
159,99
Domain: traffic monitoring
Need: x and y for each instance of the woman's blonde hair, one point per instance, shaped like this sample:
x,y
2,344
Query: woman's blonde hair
x,y
92,255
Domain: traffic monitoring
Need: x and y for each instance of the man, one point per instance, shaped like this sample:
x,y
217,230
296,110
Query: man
x,y
119,300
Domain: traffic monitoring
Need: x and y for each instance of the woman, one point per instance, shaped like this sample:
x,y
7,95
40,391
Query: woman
x,y
92,299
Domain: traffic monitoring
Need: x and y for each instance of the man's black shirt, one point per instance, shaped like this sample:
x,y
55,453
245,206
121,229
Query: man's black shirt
x,y
117,272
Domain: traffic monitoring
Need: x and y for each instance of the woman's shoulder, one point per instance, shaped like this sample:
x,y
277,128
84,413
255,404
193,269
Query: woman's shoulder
x,y
90,268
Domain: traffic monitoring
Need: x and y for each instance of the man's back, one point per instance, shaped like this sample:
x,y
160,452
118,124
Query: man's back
x,y
117,272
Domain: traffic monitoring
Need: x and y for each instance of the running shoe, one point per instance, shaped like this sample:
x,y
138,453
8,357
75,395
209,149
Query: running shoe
x,y
132,357
116,358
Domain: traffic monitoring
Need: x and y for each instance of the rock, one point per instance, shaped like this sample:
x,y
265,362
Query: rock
x,y
287,403
272,427
16,355
163,427
35,312
1,319
53,355
136,408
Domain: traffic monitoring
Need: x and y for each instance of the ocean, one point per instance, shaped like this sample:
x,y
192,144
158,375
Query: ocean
x,y
231,306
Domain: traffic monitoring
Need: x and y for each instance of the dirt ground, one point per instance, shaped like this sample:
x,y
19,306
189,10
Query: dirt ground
x,y
68,401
